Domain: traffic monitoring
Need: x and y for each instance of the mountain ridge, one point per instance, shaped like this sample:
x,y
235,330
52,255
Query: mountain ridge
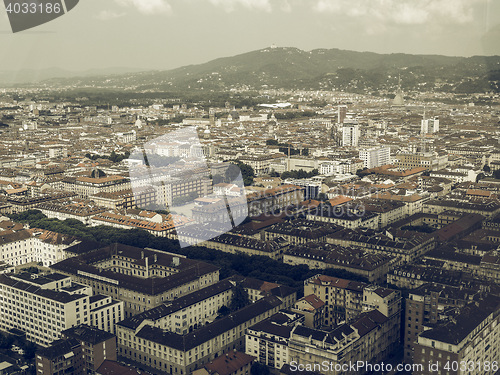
x,y
329,69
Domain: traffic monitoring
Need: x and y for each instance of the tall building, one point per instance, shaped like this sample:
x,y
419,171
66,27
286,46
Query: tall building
x,y
341,114
97,345
424,306
350,135
81,351
429,125
375,156
468,336
44,306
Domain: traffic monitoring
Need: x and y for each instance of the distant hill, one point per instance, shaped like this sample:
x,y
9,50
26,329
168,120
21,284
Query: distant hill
x,y
37,75
317,69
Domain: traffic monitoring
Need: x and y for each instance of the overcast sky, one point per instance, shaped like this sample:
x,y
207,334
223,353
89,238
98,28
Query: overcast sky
x,y
164,34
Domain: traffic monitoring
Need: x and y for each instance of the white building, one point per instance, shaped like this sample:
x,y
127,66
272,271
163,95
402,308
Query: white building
x,y
44,306
429,126
375,156
350,135
268,340
105,312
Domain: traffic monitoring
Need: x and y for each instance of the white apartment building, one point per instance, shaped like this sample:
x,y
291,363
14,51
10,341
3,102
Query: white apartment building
x,y
39,246
350,135
268,340
429,126
375,156
16,248
105,312
44,306
48,247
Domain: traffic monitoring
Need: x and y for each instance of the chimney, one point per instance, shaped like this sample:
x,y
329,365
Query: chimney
x,y
142,254
156,258
147,267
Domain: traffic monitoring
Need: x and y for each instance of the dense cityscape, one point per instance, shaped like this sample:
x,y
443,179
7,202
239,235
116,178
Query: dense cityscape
x,y
267,230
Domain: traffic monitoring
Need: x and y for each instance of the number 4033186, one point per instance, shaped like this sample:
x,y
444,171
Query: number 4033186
x,y
33,8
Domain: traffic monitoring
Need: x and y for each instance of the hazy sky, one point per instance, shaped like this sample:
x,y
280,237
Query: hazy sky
x,y
163,34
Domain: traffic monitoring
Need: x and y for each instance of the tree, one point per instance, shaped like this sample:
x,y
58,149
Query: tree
x,y
496,174
479,177
223,310
272,142
486,168
240,298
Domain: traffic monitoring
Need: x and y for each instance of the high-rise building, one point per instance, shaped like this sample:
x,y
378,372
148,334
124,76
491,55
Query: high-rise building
x,y
350,135
468,336
51,304
341,114
429,125
375,156
424,306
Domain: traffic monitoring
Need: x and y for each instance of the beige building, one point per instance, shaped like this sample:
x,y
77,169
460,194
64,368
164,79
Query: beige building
x,y
44,306
320,255
470,336
141,278
174,353
234,244
88,186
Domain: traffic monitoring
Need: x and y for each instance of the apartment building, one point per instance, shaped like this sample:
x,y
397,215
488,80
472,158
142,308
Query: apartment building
x,y
187,313
346,215
406,247
81,210
300,231
321,255
470,335
234,244
343,298
42,307
268,340
141,197
368,339
141,278
375,156
429,160
85,187
387,211
486,207
62,357
49,247
272,200
34,245
158,225
105,312
97,345
346,299
170,352
426,304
